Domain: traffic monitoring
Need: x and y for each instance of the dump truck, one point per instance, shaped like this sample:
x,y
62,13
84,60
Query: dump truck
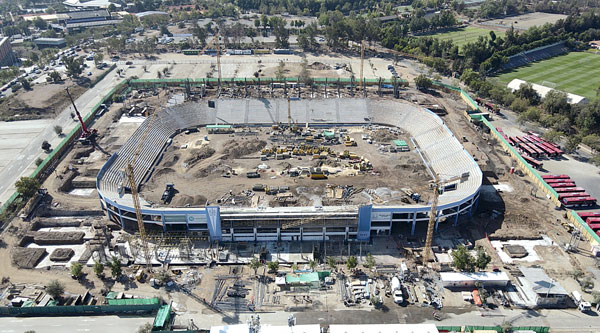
x,y
168,193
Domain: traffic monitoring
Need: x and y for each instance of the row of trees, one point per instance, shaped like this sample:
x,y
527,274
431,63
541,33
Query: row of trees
x,y
351,264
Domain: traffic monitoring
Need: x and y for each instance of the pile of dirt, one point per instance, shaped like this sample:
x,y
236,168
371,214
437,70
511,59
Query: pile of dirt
x,y
165,171
319,66
61,254
57,237
184,200
383,135
199,154
236,149
213,169
24,257
171,162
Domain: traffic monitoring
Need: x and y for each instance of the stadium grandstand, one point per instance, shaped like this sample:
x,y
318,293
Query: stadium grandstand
x,y
439,149
515,84
537,54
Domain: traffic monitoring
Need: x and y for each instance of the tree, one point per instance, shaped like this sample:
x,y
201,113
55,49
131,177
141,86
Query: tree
x,y
99,269
273,266
587,284
76,270
377,301
294,267
281,33
55,289
26,85
115,267
98,58
332,263
163,276
312,264
27,186
46,146
73,66
280,73
159,74
556,102
572,144
255,264
145,68
462,259
596,297
58,129
304,75
519,105
527,92
351,263
40,23
200,34
55,76
38,161
422,82
483,259
370,261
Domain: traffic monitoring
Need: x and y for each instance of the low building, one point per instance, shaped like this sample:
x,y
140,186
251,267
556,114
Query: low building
x,y
468,280
543,90
50,42
7,57
77,20
539,286
309,279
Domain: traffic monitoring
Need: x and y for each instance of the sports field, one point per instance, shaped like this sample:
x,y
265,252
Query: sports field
x,y
464,35
576,72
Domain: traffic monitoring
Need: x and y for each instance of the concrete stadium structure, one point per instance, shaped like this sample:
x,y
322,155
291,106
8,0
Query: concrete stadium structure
x,y
439,149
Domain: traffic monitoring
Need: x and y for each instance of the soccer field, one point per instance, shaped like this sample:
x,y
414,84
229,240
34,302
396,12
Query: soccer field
x,y
576,72
464,35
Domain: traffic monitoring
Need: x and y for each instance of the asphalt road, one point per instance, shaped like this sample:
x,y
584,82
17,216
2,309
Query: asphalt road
x,y
112,324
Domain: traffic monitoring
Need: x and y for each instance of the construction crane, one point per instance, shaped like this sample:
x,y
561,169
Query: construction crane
x,y
135,197
87,134
437,188
362,62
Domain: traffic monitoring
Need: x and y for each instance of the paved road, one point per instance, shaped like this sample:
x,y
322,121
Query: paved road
x,y
112,324
23,163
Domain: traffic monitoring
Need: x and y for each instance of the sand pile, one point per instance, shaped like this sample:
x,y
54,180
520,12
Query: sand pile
x,y
236,149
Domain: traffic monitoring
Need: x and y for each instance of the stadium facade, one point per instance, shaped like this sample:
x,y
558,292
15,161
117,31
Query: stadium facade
x,y
439,149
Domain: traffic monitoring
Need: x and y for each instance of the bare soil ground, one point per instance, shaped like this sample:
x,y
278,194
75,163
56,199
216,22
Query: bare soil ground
x,y
209,170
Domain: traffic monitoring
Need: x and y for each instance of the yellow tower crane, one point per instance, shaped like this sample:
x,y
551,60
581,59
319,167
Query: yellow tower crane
x,y
135,197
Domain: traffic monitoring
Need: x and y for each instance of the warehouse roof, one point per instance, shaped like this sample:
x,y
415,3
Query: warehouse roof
x,y
541,282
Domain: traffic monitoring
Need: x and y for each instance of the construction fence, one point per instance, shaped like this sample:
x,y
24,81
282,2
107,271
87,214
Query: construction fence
x,y
535,177
78,310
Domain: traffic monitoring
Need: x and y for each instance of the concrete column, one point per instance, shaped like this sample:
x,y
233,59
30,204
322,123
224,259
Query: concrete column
x,y
414,224
456,217
437,219
164,223
324,233
255,234
120,216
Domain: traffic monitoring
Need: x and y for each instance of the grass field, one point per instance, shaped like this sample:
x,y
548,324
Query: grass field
x,y
464,35
576,72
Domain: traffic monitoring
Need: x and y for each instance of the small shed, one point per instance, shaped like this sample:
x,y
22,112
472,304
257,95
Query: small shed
x,y
468,280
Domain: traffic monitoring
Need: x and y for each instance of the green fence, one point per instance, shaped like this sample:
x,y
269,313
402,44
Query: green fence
x,y
78,310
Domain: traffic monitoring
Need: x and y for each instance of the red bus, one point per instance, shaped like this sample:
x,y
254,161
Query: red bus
x,y
592,220
527,150
559,185
518,139
585,215
534,163
489,106
499,129
555,152
572,195
569,189
579,201
561,180
548,151
594,226
538,151
556,177
512,141
533,138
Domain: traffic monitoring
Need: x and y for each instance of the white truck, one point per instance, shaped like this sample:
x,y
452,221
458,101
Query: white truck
x,y
397,290
582,305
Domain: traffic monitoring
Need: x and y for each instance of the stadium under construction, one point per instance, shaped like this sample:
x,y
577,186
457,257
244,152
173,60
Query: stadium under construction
x,y
439,152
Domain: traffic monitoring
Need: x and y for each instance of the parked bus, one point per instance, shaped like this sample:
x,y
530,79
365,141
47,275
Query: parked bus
x,y
592,220
556,177
573,195
534,163
585,215
569,189
559,185
548,151
578,202
561,180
